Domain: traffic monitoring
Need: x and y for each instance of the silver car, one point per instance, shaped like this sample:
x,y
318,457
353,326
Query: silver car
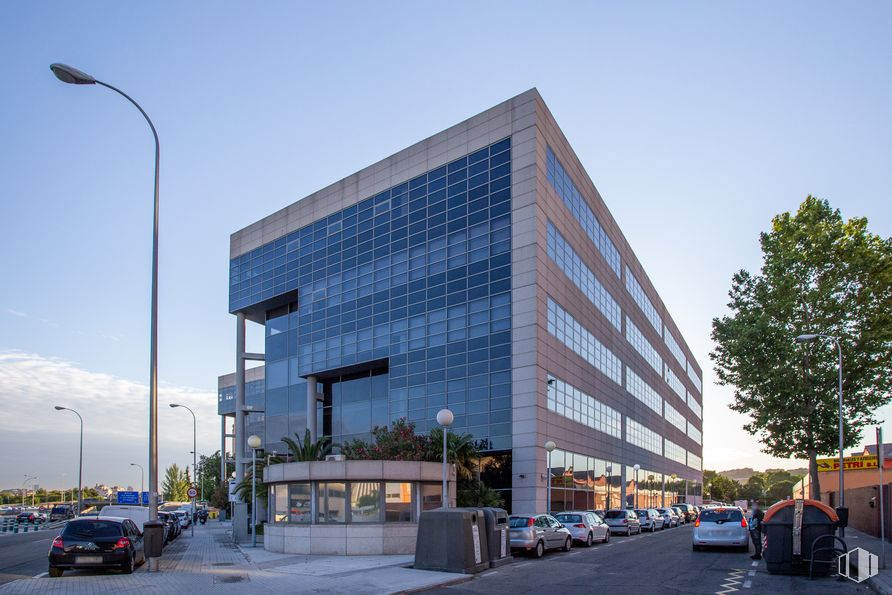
x,y
537,533
721,526
670,517
585,527
651,520
624,522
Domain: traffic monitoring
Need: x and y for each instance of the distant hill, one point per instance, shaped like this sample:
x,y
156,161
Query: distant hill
x,y
743,474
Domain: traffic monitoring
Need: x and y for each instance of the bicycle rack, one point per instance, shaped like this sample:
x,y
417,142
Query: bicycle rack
x,y
815,550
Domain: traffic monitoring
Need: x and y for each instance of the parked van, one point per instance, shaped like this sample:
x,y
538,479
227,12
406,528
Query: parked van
x,y
61,512
137,514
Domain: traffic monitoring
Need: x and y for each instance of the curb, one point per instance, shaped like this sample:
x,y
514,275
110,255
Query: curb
x,y
446,583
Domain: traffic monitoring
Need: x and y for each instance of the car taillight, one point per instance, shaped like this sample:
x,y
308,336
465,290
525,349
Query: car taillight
x,y
697,523
530,522
579,526
57,542
625,521
743,523
122,543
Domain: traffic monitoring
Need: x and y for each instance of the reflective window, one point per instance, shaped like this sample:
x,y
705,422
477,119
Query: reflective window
x,y
575,336
694,434
398,502
642,391
640,297
674,452
570,402
674,348
694,406
675,383
643,346
280,503
692,374
673,416
431,496
299,503
331,502
365,502
695,462
639,435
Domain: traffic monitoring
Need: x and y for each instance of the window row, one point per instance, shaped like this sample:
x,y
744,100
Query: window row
x,y
674,348
642,391
692,374
643,437
353,502
674,417
674,452
570,402
695,406
643,346
675,383
560,251
694,434
695,462
575,336
640,297
577,205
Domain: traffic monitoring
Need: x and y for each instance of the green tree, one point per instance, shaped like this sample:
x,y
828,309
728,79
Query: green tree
x,y
724,489
175,484
209,474
781,490
820,274
754,489
307,449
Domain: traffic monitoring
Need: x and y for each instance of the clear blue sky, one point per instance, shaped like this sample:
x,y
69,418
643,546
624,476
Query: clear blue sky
x,y
697,122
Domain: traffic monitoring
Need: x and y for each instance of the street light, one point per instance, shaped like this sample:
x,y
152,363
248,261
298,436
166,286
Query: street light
x,y
808,338
25,488
68,74
194,449
549,446
142,473
609,478
254,443
80,467
445,419
636,467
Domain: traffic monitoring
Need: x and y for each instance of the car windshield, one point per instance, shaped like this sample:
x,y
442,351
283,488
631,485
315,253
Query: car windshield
x,y
92,529
569,518
60,509
719,515
641,512
517,522
615,514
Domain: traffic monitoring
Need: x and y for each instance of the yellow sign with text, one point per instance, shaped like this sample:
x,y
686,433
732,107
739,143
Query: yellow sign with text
x,y
851,463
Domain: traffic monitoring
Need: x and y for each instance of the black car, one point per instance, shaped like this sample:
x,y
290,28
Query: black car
x,y
31,516
97,542
171,526
61,512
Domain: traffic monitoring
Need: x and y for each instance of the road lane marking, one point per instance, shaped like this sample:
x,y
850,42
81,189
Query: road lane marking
x,y
41,575
734,578
747,584
752,573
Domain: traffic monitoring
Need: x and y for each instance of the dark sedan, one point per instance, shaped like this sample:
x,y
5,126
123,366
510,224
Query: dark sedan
x,y
97,542
32,516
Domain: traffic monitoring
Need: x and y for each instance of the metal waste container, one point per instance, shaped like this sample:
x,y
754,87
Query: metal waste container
x,y
153,538
791,528
497,536
452,540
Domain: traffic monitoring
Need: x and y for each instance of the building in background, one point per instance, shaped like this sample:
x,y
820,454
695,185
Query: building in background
x,y
478,270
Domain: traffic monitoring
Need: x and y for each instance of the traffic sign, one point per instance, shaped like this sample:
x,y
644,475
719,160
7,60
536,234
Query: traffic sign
x,y
192,493
128,497
851,463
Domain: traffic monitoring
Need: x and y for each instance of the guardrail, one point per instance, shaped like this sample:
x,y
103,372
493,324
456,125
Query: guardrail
x,y
12,525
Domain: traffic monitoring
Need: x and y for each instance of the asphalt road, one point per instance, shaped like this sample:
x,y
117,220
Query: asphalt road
x,y
24,555
650,563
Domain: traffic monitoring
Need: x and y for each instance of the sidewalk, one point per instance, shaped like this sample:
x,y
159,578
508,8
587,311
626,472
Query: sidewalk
x,y
881,583
211,562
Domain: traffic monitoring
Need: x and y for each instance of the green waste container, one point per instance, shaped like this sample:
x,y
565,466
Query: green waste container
x,y
791,527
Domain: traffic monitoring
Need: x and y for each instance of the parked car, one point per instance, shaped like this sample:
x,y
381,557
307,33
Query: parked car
x,y
31,516
622,521
688,510
600,513
680,513
172,524
725,527
670,517
137,514
61,512
97,542
585,527
184,518
651,520
537,533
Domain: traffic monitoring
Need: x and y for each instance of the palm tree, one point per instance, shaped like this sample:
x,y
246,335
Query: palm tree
x,y
460,450
243,488
307,449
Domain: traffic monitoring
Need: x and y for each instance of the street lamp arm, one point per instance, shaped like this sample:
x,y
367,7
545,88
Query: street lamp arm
x,y
142,111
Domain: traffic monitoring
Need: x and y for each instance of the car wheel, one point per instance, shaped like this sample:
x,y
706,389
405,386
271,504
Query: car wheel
x,y
696,548
606,537
568,544
129,565
55,572
539,551
589,540
639,529
628,531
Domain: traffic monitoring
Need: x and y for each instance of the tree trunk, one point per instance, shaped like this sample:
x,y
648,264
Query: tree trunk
x,y
815,491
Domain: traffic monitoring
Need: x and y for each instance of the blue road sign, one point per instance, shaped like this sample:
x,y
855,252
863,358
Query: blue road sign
x,y
145,498
128,498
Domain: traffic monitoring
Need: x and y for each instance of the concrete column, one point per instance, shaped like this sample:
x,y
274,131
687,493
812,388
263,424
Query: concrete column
x,y
311,406
622,486
223,477
239,509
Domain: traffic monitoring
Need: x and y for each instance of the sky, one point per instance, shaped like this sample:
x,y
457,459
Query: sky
x,y
697,121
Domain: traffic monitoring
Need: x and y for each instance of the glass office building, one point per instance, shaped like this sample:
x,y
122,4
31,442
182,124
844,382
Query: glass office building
x,y
478,270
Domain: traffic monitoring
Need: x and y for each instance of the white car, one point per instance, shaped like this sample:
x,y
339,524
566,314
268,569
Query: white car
x,y
670,517
184,517
721,526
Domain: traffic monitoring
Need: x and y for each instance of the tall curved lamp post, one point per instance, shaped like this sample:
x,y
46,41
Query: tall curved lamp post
x,y
254,443
25,487
445,419
80,466
549,447
609,477
636,467
73,76
808,338
194,455
142,475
